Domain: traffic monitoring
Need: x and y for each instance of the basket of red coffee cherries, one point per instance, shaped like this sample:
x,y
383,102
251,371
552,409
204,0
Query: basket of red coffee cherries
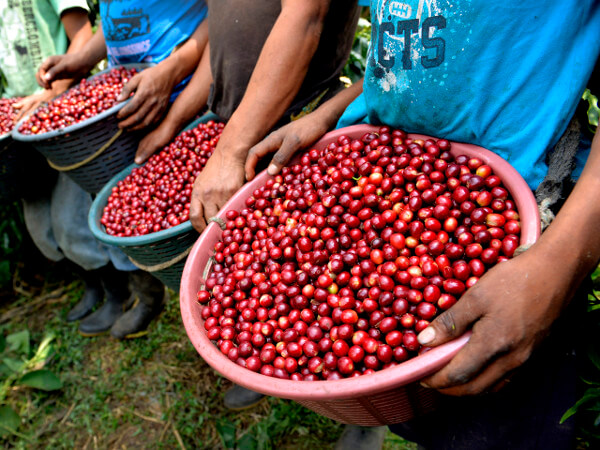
x,y
78,131
322,277
144,210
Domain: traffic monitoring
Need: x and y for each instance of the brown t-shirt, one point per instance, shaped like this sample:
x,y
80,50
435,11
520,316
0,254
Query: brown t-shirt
x,y
238,30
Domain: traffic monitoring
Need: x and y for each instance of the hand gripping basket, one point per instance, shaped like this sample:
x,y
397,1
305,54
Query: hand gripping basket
x,y
90,152
388,396
163,253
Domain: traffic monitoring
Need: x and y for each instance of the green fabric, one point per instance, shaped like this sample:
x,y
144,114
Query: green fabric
x,y
30,31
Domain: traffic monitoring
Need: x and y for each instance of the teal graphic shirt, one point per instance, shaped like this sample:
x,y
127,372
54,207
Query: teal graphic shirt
x,y
503,75
148,31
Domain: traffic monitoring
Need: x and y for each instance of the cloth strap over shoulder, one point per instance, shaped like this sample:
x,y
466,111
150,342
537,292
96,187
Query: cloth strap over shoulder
x,y
561,163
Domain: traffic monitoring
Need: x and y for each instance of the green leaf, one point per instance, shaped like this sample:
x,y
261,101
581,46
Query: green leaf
x,y
593,111
9,420
19,342
590,394
226,430
42,379
2,343
14,365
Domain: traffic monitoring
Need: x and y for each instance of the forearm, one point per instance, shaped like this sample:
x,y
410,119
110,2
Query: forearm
x,y
330,112
193,98
279,73
94,50
79,32
185,59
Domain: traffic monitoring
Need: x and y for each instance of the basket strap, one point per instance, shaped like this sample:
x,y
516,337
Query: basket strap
x,y
162,265
207,269
218,221
93,156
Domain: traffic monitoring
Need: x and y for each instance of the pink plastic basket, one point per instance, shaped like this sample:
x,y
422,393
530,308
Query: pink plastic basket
x,y
388,396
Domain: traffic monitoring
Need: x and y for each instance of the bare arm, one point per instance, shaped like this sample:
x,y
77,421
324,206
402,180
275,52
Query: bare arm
x,y
512,307
275,81
79,31
74,64
301,133
189,103
154,86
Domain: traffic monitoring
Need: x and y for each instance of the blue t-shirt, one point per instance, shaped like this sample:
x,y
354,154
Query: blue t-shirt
x,y
503,75
148,31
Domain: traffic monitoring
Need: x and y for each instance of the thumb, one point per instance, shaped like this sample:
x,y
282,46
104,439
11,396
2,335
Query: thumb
x,y
130,87
451,324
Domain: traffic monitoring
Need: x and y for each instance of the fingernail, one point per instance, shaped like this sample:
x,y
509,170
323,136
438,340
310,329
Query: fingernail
x,y
425,385
138,160
272,169
426,336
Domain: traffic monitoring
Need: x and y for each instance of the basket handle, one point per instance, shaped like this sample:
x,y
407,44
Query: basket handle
x,y
176,259
93,156
162,265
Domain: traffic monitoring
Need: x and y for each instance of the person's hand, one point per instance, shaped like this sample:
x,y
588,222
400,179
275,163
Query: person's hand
x,y
58,67
152,88
29,104
511,310
155,140
285,141
222,176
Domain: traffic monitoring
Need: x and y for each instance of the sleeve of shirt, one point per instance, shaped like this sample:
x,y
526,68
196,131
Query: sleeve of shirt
x,y
364,2
62,5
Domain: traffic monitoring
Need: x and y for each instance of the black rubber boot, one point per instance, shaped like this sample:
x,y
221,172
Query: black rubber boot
x,y
115,287
361,438
238,398
149,296
92,295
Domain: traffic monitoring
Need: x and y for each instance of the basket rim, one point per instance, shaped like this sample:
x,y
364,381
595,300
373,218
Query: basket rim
x,y
101,200
79,125
380,381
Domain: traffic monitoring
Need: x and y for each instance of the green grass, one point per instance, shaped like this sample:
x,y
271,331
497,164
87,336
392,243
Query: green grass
x,y
152,392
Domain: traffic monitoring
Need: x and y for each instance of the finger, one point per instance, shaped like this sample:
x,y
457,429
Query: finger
x,y
197,212
137,117
129,87
493,378
52,73
150,118
146,149
267,145
210,210
290,145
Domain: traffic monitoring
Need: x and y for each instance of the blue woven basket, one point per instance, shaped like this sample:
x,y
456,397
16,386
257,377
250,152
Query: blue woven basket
x,y
163,253
71,145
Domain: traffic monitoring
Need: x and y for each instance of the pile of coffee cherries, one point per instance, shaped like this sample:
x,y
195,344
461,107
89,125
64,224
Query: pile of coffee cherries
x,y
8,114
89,98
156,196
335,265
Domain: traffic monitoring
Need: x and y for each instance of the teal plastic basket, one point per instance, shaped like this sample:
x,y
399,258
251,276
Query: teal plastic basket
x,y
163,253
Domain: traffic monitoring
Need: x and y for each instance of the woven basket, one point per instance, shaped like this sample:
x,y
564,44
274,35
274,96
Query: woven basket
x,y
388,396
71,145
163,253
